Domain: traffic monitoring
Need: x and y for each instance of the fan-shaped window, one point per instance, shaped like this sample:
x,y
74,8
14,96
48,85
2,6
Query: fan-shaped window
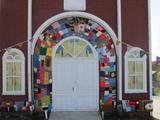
x,y
13,72
74,47
135,71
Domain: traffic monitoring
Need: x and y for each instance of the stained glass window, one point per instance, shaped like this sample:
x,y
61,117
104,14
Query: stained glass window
x,y
13,72
135,71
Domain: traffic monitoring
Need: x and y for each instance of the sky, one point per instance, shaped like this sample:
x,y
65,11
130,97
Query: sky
x,y
155,28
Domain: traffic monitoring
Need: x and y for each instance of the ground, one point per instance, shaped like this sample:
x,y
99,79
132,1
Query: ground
x,y
40,116
22,116
129,116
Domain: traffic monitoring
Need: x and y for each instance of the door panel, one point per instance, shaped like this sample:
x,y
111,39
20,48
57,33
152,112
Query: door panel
x,y
87,85
62,86
75,85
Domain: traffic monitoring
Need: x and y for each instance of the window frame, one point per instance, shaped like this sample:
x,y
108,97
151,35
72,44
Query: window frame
x,y
135,59
69,5
21,60
94,52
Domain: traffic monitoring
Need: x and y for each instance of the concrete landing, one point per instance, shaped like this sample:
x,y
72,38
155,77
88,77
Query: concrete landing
x,y
75,116
156,107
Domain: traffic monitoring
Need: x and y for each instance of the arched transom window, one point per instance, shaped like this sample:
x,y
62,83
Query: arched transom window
x,y
74,47
13,72
135,71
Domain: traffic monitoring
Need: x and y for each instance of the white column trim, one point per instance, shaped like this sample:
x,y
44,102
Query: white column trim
x,y
119,26
29,46
150,48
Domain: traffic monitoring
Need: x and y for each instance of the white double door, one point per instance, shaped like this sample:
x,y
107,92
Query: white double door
x,y
75,85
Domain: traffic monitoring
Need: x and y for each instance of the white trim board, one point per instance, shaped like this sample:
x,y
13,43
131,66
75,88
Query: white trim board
x,y
119,26
150,47
29,48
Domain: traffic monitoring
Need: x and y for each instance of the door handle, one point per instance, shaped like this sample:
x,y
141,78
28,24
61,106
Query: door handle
x,y
72,88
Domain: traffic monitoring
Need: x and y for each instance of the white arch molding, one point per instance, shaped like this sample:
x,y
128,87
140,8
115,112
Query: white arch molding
x,y
70,14
91,17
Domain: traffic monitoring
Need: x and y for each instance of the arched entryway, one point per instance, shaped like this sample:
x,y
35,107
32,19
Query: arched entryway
x,y
56,31
75,75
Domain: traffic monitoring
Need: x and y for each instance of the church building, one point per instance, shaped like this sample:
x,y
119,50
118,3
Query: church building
x,y
76,55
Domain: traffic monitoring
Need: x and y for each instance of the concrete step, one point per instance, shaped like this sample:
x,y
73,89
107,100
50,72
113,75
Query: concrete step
x,y
87,115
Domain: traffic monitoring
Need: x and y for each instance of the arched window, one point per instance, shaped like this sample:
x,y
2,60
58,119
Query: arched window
x,y
74,47
135,71
13,72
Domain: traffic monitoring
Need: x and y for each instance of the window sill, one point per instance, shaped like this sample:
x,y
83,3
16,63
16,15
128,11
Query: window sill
x,y
13,93
135,91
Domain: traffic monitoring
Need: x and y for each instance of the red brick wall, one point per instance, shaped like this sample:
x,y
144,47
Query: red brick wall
x,y
13,29
135,32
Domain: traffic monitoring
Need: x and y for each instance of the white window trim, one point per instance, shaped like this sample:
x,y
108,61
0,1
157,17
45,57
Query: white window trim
x,y
74,5
4,61
143,59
